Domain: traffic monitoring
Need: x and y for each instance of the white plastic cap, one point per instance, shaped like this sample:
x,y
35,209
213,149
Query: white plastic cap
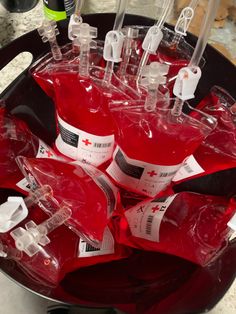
x,y
48,30
152,39
232,223
186,82
154,73
113,46
12,213
75,20
84,34
184,21
29,240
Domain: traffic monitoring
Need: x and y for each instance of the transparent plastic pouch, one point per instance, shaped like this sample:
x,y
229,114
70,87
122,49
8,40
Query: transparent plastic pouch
x,y
85,125
89,194
218,151
40,70
17,139
151,146
189,225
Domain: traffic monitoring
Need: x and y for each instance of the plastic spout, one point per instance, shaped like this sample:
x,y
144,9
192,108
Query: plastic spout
x,y
84,35
153,76
154,37
112,53
48,31
30,239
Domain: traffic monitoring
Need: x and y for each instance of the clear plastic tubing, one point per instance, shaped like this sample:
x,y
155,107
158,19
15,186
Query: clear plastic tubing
x,y
200,47
204,33
120,15
167,6
78,7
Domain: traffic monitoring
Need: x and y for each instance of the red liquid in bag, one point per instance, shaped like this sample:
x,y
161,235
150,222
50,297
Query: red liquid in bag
x,y
41,69
151,147
218,151
16,139
88,193
65,253
188,225
85,123
46,265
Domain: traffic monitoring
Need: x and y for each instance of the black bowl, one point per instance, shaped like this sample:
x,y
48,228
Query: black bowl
x,y
168,284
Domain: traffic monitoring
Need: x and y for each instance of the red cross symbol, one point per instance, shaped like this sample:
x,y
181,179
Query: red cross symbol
x,y
155,209
152,173
86,142
49,153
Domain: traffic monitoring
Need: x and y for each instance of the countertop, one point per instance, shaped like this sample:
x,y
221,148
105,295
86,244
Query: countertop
x,y
13,25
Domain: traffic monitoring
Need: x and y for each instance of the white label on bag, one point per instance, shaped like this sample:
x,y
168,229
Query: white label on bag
x,y
44,151
140,176
107,247
145,219
190,168
83,146
23,185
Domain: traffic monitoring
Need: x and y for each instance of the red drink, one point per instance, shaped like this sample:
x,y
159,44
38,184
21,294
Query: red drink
x,y
88,193
151,147
86,128
218,151
16,139
188,225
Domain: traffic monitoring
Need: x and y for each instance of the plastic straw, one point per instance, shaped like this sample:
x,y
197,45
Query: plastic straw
x,y
122,4
205,32
85,36
200,47
153,76
121,8
168,4
78,7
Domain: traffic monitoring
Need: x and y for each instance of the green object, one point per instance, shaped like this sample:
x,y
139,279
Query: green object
x,y
58,9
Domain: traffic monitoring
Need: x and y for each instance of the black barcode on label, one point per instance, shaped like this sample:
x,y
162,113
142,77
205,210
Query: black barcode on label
x,y
149,225
188,169
90,248
167,174
102,145
69,137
